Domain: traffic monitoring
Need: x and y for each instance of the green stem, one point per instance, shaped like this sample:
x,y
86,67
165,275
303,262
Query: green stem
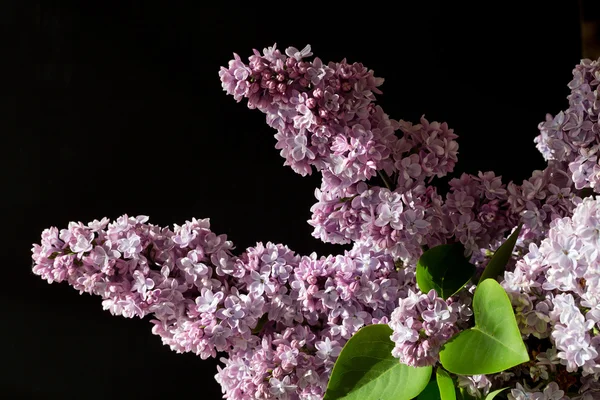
x,y
386,179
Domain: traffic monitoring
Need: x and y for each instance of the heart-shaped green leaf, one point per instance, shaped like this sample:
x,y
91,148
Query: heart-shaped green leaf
x,y
366,369
494,344
496,266
445,269
445,385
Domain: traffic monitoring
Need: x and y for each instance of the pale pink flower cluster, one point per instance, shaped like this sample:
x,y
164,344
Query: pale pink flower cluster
x,y
282,319
573,134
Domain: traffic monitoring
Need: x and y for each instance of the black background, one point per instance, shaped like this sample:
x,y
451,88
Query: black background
x,y
121,111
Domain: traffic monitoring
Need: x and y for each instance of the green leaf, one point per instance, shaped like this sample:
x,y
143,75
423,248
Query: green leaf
x,y
366,369
493,394
431,392
445,269
462,394
445,385
494,344
498,262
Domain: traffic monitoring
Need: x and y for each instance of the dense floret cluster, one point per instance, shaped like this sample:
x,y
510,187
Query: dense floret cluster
x,y
282,319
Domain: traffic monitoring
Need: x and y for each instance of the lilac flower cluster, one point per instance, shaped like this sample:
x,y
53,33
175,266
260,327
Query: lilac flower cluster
x,y
281,318
570,263
325,116
475,212
392,221
571,334
424,151
140,269
550,392
573,135
476,386
554,289
422,324
478,211
323,113
327,301
547,195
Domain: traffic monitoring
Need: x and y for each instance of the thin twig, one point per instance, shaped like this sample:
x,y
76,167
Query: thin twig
x,y
386,179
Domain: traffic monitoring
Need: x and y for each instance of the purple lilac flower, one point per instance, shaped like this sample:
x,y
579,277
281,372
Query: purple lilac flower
x,y
422,323
426,150
532,313
282,319
392,221
551,284
324,113
590,388
550,392
572,337
326,292
573,135
298,311
538,200
570,253
477,386
476,212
